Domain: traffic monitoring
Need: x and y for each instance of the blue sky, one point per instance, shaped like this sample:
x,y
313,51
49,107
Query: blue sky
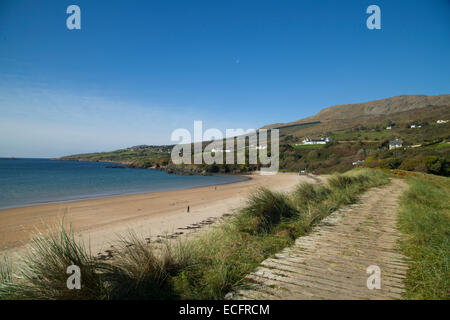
x,y
137,70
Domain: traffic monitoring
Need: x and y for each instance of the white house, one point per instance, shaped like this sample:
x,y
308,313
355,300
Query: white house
x,y
220,150
441,121
252,146
357,162
320,141
389,128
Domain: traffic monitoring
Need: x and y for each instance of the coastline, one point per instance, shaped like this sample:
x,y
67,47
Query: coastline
x,y
89,180
100,221
241,178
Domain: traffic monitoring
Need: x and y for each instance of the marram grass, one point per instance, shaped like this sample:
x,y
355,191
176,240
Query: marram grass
x,y
425,220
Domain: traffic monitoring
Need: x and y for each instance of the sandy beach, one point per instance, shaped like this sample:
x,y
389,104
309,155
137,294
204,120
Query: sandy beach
x,y
100,221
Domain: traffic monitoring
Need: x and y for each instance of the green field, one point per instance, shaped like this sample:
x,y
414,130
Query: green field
x,y
308,146
442,145
365,135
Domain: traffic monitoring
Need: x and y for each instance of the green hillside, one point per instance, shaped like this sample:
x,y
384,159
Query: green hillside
x,y
140,155
364,138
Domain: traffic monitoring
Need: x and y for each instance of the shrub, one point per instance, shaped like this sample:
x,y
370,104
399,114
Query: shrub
x,y
264,209
389,163
428,164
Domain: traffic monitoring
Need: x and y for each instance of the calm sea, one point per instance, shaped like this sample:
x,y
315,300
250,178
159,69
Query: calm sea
x,y
33,181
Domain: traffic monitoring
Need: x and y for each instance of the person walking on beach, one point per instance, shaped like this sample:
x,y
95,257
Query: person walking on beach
x,y
187,209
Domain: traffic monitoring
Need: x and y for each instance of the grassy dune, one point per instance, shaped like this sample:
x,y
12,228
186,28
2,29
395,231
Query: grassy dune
x,y
204,267
425,219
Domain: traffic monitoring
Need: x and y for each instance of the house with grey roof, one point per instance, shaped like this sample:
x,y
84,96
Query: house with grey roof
x,y
394,144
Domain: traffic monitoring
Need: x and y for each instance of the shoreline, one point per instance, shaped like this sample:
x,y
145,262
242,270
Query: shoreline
x,y
100,221
242,178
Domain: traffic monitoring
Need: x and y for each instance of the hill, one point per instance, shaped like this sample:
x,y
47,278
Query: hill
x,y
142,155
372,108
359,134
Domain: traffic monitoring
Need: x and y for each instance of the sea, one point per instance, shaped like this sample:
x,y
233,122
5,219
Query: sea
x,y
25,182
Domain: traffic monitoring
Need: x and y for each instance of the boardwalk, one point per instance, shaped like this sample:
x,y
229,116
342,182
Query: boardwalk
x,y
331,262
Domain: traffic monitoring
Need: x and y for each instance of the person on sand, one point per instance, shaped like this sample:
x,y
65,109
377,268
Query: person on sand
x,y
187,209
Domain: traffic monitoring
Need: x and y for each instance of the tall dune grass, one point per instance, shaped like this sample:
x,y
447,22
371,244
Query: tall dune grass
x,y
425,219
204,267
43,270
143,271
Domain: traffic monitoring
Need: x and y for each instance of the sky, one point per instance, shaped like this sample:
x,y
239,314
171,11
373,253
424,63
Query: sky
x,y
137,70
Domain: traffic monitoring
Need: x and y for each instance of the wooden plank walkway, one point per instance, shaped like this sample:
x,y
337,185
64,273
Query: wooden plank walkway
x,y
331,262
